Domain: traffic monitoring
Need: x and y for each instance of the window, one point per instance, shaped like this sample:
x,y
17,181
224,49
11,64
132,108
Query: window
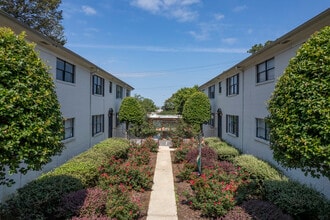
x,y
266,71
232,85
64,71
117,119
97,124
232,124
110,87
211,121
211,92
262,129
128,92
68,128
220,87
119,92
98,85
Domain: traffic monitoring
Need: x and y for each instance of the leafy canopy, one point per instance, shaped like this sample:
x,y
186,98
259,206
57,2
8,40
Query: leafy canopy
x,y
131,111
41,15
197,109
31,126
178,99
300,109
147,104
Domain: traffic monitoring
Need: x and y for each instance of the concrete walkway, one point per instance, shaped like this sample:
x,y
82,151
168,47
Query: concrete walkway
x,y
162,200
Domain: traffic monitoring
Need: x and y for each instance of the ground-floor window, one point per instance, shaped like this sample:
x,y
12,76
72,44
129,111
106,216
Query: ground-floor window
x,y
262,129
232,124
68,128
97,124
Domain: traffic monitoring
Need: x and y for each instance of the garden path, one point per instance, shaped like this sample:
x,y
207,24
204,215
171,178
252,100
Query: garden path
x,y
162,200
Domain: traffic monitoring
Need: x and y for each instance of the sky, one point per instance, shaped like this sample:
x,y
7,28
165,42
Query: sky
x,y
160,46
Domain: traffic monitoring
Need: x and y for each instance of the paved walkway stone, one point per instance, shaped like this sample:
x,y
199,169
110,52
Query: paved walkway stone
x,y
162,200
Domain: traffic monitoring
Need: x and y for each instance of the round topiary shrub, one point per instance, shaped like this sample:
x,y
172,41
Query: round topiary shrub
x,y
300,109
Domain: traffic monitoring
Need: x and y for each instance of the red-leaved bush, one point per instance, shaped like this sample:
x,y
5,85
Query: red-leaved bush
x,y
209,156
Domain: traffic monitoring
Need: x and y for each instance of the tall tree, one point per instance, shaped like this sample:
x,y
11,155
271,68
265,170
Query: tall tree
x,y
41,15
179,98
147,104
131,112
31,126
300,109
197,111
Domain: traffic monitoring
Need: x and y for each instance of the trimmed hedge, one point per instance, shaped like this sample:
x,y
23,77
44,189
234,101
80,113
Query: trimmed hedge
x,y
258,168
39,199
300,201
224,150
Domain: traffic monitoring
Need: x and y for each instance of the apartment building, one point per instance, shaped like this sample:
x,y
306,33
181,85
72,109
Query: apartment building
x,y
89,96
239,97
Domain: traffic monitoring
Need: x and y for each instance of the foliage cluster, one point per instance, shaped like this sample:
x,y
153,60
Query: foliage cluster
x,y
177,101
197,109
41,15
31,124
224,150
79,184
247,181
151,144
300,109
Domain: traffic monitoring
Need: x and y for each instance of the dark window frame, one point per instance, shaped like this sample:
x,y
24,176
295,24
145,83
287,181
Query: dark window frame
x,y
65,71
119,92
98,85
232,124
266,68
97,124
68,125
262,129
232,84
211,92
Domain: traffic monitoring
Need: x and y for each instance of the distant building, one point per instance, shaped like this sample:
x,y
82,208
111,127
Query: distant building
x,y
89,96
239,97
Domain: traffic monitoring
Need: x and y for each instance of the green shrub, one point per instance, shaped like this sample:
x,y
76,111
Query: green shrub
x,y
40,198
224,151
257,168
298,200
151,144
211,140
181,152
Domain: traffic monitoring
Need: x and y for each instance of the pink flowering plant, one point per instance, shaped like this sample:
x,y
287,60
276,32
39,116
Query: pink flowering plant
x,y
214,191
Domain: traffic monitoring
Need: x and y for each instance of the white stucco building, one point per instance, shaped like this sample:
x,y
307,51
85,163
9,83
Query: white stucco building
x,y
89,96
239,97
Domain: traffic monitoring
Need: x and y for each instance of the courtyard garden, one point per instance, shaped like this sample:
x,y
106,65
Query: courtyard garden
x,y
113,180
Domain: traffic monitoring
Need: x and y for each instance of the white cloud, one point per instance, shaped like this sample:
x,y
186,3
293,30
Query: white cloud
x,y
88,10
240,8
178,9
204,31
218,16
229,40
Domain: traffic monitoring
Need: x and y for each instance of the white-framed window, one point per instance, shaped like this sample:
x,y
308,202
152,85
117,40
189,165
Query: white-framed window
x,y
98,85
119,92
262,129
211,91
65,71
232,84
266,70
97,124
232,124
68,128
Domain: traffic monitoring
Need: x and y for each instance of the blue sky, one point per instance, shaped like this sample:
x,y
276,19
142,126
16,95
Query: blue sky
x,y
160,46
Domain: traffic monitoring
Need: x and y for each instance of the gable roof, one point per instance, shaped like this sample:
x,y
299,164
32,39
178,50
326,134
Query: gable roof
x,y
291,39
32,35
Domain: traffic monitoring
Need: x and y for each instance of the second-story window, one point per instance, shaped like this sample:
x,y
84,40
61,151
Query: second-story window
x,y
211,92
232,84
98,85
110,87
119,92
266,71
65,71
220,87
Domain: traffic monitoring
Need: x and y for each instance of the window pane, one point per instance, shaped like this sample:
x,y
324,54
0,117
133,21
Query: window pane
x,y
261,77
270,63
60,64
59,74
68,77
271,74
68,67
261,67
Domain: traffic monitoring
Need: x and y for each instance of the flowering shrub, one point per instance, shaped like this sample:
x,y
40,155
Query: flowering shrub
x,y
151,144
215,190
139,155
209,156
181,152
